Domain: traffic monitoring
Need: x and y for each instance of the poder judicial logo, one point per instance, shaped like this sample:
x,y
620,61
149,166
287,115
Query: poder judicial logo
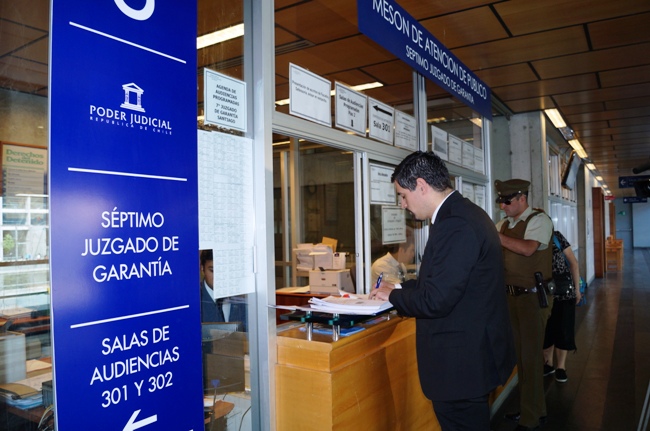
x,y
137,119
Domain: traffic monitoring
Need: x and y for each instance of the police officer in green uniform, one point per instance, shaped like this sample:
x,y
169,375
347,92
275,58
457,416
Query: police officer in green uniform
x,y
525,239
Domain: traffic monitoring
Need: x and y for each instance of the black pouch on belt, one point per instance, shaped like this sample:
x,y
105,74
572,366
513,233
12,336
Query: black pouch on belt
x,y
541,291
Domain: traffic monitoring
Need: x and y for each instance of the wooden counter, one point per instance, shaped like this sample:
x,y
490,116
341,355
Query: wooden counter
x,y
287,298
367,381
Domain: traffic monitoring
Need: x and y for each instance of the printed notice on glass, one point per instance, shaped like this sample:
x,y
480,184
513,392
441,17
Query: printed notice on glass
x,y
382,191
225,201
468,191
224,100
439,142
479,196
468,155
393,225
479,160
455,150
381,118
351,109
309,96
24,170
406,135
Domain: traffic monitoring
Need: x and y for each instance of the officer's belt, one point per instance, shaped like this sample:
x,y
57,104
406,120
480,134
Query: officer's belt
x,y
517,290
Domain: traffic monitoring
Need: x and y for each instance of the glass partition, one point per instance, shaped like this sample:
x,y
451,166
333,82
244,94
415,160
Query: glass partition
x,y
313,185
25,342
393,251
222,264
455,133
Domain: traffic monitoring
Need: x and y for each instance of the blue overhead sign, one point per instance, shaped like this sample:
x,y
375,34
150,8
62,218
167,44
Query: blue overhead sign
x,y
124,223
628,182
388,24
634,200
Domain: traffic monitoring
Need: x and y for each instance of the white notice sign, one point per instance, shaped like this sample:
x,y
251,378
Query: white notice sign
x,y
224,100
382,190
393,225
455,150
479,160
439,142
225,176
468,155
479,196
468,191
309,96
351,109
380,121
406,135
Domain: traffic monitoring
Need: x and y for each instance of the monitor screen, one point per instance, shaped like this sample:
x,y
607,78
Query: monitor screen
x,y
570,173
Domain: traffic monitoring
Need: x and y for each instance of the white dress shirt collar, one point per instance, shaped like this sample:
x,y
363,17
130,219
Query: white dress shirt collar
x,y
209,289
435,213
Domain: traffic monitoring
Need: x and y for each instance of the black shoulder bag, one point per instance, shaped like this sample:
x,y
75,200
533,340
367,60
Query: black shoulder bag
x,y
564,285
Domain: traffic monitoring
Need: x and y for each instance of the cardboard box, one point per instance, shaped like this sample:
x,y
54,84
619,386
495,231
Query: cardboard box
x,y
330,281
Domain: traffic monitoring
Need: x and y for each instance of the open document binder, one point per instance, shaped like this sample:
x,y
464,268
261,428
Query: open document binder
x,y
337,312
352,305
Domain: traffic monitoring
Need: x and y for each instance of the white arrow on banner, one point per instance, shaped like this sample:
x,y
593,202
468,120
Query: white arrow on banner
x,y
132,425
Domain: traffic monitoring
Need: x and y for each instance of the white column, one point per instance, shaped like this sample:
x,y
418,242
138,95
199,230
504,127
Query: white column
x,y
528,155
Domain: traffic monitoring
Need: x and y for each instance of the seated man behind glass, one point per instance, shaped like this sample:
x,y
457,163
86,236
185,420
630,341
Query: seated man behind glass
x,y
213,307
393,264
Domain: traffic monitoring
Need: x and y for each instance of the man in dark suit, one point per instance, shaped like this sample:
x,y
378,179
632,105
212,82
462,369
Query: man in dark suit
x,y
213,307
464,339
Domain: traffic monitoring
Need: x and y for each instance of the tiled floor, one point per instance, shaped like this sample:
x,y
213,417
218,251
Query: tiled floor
x,y
610,372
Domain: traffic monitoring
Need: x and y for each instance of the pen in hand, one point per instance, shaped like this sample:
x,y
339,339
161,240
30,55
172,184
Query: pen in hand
x,y
379,280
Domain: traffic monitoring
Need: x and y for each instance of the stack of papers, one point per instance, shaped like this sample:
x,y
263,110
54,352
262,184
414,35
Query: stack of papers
x,y
354,305
16,312
25,394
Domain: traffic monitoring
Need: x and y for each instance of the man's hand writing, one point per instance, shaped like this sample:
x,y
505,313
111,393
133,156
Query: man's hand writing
x,y
382,293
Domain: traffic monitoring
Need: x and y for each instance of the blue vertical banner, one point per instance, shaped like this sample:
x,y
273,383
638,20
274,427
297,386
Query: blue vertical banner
x,y
389,25
124,215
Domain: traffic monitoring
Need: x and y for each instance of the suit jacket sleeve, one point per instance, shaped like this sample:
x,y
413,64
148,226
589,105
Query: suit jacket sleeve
x,y
444,272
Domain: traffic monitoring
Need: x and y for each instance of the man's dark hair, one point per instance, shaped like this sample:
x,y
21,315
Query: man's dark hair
x,y
206,255
427,166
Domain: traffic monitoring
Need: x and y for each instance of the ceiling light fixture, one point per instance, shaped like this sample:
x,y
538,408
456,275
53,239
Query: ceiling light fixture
x,y
555,117
220,36
360,87
591,166
575,144
367,86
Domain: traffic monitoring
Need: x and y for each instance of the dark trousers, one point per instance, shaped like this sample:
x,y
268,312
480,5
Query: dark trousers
x,y
528,327
463,415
